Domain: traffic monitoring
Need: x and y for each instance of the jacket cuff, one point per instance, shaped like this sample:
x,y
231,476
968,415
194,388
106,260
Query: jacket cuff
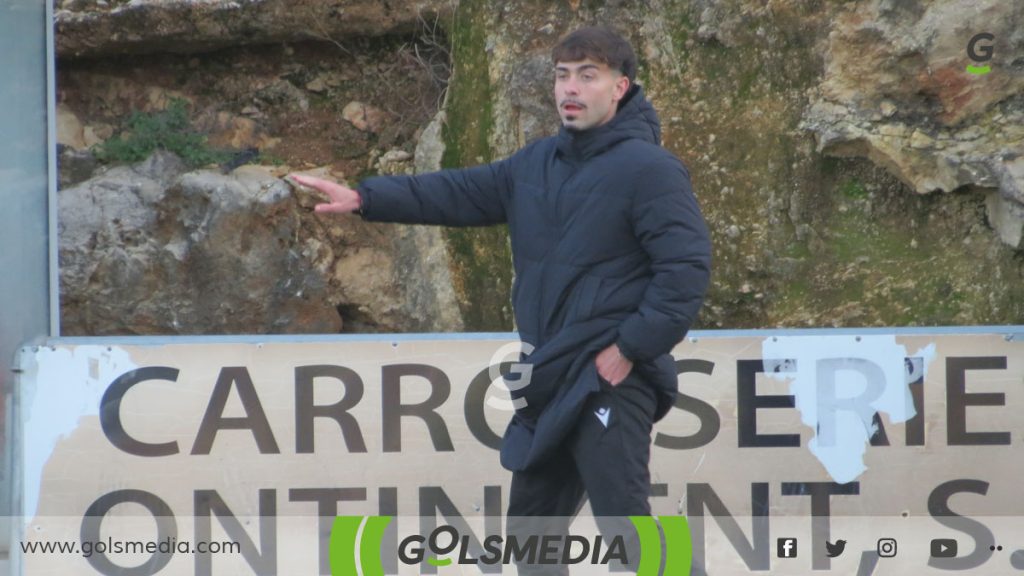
x,y
627,352
364,202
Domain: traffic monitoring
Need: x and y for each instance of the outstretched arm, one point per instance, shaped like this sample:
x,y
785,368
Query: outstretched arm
x,y
475,196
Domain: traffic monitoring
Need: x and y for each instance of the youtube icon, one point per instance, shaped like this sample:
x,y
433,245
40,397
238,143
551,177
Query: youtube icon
x,y
943,548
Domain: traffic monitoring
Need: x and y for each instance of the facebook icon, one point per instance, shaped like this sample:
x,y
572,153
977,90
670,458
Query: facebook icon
x,y
787,547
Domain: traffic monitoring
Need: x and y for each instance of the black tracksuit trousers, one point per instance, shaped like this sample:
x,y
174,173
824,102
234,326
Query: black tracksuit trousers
x,y
605,459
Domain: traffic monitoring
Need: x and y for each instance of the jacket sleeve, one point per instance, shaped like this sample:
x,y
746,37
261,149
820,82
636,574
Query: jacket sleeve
x,y
475,196
669,225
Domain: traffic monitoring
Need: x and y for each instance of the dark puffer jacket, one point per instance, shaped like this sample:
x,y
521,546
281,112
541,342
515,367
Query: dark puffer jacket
x,y
608,245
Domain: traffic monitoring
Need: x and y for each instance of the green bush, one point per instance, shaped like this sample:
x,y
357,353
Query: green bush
x,y
168,129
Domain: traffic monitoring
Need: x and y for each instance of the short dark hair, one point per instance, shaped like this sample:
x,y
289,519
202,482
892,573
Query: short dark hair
x,y
598,43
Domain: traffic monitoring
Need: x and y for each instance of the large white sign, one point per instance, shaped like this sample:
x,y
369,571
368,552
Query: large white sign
x,y
263,444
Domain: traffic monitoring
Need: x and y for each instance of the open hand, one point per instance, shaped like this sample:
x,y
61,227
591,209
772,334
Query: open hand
x,y
342,198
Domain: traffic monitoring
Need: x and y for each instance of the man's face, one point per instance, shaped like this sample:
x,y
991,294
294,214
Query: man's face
x,y
587,93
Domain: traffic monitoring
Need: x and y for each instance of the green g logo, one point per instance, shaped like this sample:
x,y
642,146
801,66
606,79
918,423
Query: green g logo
x,y
980,54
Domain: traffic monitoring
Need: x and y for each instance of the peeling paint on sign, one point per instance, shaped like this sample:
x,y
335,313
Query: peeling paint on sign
x,y
61,385
839,393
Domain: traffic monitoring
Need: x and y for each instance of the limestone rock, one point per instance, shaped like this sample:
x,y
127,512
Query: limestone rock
x,y
1007,217
363,116
395,162
236,132
151,249
97,134
430,148
74,166
70,131
89,29
896,91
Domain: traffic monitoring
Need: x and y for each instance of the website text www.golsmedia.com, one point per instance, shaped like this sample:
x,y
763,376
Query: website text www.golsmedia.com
x,y
114,546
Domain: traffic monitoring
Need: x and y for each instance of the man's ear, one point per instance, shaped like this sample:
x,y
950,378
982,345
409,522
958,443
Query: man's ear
x,y
621,87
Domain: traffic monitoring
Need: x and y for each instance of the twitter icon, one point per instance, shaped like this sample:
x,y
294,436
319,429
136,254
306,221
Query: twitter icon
x,y
836,549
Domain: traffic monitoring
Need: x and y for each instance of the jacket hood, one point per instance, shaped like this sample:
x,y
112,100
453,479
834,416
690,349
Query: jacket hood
x,y
635,118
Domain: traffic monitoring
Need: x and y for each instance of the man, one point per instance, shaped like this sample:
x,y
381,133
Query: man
x,y
611,258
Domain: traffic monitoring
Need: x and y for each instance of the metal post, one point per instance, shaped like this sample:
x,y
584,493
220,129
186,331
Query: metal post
x,y
28,272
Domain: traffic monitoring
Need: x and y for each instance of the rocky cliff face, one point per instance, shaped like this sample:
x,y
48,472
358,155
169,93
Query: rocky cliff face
x,y
160,247
896,91
91,28
852,171
156,249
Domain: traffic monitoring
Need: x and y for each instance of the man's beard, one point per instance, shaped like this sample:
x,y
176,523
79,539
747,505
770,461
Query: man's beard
x,y
569,124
